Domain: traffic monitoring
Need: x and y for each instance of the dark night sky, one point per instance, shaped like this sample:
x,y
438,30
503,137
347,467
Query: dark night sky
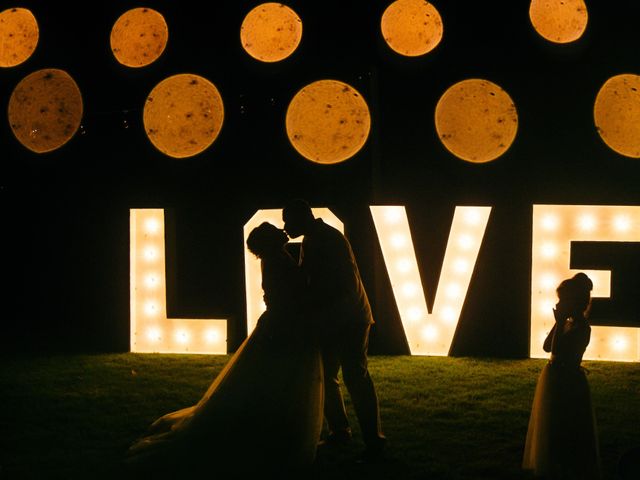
x,y
65,233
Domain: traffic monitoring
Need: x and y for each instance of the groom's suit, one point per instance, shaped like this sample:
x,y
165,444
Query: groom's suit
x,y
340,304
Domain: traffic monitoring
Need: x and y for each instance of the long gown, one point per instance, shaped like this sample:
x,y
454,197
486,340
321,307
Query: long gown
x,y
562,439
264,409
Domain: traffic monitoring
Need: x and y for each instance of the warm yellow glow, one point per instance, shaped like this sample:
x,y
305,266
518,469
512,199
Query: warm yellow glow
x,y
328,122
151,330
139,37
410,290
271,32
617,114
18,36
430,333
411,27
587,222
549,281
622,223
551,263
559,21
252,271
45,110
549,222
476,120
183,115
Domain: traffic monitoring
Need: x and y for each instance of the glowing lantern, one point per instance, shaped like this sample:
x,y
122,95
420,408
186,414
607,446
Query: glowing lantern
x,y
559,21
430,333
617,114
554,228
139,37
183,115
411,27
476,120
271,32
151,329
45,110
252,270
18,36
328,122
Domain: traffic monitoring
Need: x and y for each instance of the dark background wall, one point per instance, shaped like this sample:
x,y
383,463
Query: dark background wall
x,y
65,251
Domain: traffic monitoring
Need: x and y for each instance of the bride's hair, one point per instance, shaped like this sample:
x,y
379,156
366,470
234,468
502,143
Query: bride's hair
x,y
264,238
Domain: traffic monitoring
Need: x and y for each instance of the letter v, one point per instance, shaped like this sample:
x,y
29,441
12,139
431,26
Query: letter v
x,y
430,333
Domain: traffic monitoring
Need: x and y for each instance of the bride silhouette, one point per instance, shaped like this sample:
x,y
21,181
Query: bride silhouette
x,y
263,412
561,440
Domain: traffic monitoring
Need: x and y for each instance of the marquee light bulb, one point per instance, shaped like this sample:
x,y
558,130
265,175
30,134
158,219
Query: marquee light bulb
x,y
212,336
393,215
398,240
414,314
549,281
152,226
150,254
619,343
151,308
549,250
461,266
404,265
453,290
430,333
151,281
622,223
182,336
472,217
448,315
546,307
154,334
465,242
409,289
587,223
549,222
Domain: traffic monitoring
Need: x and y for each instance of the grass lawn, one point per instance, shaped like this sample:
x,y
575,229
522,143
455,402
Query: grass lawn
x,y
446,418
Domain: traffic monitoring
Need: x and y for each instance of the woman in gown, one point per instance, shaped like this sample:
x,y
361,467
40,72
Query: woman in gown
x,y
264,410
561,440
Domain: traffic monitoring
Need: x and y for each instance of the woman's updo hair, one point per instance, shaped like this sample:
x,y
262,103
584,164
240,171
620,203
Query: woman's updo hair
x,y
576,290
265,238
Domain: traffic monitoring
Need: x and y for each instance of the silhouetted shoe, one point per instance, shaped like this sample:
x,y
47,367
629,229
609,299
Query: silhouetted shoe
x,y
374,451
336,439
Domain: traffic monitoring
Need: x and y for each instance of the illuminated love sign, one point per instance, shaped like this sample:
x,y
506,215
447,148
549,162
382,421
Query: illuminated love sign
x,y
151,329
554,228
428,332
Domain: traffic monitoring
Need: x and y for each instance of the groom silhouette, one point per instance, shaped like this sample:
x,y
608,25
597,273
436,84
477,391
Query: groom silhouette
x,y
339,302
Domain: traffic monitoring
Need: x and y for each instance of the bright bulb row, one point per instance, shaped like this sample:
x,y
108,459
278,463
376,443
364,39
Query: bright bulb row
x,y
183,336
590,223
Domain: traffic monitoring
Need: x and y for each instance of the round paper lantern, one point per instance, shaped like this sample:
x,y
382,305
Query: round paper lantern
x,y
18,36
45,110
271,32
617,114
139,37
328,121
183,115
411,27
559,21
476,120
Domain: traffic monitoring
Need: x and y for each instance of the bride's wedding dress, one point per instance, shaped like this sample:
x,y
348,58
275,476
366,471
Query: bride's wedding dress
x,y
263,410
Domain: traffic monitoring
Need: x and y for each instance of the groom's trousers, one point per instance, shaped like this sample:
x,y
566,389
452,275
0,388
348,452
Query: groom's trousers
x,y
347,348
